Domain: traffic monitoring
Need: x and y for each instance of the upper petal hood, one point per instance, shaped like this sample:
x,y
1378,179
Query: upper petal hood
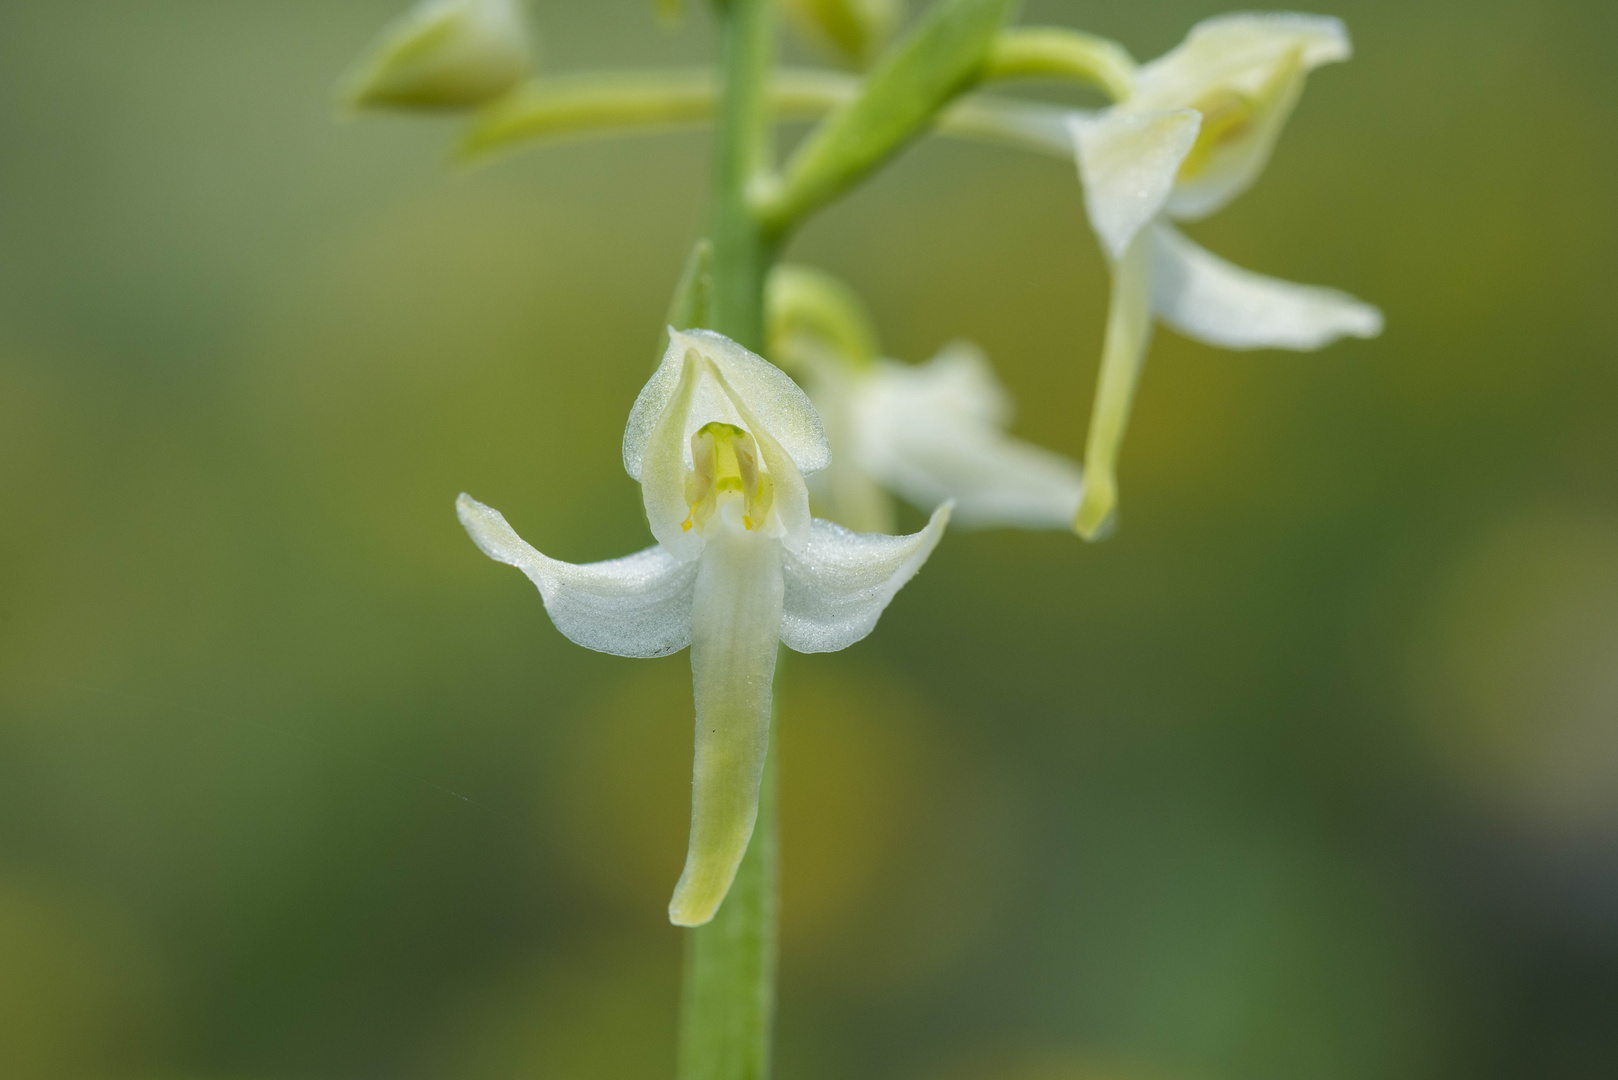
x,y
1128,162
1205,297
933,432
639,605
762,388
1244,72
706,377
839,585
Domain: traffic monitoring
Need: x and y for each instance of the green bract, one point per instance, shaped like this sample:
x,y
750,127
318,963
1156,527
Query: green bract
x,y
934,63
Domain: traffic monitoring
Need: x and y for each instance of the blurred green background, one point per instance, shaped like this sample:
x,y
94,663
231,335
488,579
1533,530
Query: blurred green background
x,y
1310,772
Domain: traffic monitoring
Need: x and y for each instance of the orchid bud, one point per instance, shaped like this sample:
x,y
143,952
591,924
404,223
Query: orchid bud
x,y
444,54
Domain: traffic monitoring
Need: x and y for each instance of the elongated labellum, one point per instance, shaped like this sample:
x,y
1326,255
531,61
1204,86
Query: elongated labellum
x,y
1129,334
735,625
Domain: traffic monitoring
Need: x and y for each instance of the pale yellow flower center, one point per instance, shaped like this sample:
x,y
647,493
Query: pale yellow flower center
x,y
726,466
1226,116
1230,114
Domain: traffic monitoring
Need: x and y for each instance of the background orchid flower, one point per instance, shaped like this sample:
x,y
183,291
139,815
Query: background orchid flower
x,y
926,433
1194,133
444,54
720,441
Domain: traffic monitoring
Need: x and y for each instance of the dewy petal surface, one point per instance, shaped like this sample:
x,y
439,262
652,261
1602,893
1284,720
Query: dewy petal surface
x,y
703,378
1128,162
666,456
1207,298
934,432
838,587
735,624
774,400
639,605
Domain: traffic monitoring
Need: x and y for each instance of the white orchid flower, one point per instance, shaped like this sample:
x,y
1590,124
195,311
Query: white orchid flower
x,y
720,441
931,433
1195,132
926,433
444,54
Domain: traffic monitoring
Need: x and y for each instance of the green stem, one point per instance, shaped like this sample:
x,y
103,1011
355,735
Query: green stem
x,y
727,1009
742,250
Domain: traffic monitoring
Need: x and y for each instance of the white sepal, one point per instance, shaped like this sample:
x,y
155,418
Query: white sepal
x,y
934,432
1250,68
1207,298
1238,50
839,585
1128,162
706,377
735,625
774,400
639,605
444,54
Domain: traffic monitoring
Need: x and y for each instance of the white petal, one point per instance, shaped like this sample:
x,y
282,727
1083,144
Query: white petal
x,y
444,54
933,433
959,380
841,583
706,377
1205,297
1123,353
667,456
842,491
789,513
848,496
1237,51
1261,59
639,605
1128,162
774,400
735,626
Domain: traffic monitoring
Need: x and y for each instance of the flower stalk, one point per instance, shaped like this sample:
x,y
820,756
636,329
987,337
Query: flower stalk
x,y
742,248
727,1005
727,998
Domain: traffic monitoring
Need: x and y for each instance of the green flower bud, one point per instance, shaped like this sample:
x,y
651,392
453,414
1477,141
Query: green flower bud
x,y
856,28
444,54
